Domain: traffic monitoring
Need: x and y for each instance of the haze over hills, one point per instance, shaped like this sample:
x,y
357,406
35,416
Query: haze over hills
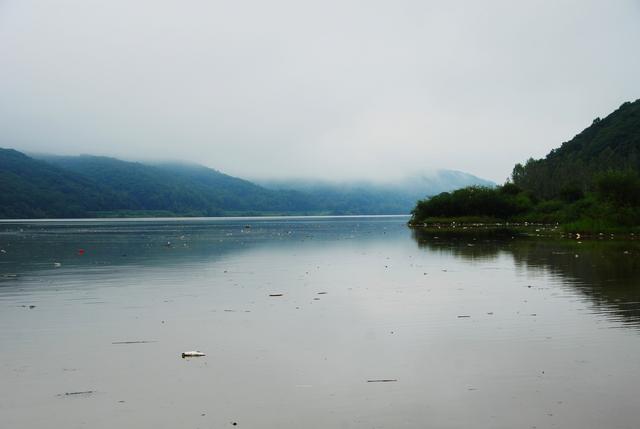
x,y
179,188
434,181
46,186
379,197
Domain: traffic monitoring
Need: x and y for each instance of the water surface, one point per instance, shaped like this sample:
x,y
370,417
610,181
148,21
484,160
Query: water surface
x,y
475,331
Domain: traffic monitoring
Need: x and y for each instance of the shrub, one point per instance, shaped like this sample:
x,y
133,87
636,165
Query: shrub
x,y
474,201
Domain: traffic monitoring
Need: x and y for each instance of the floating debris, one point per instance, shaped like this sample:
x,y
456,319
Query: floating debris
x,y
57,264
85,392
462,316
135,342
383,380
275,294
193,353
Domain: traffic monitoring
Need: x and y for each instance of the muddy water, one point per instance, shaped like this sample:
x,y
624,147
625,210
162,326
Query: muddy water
x,y
482,332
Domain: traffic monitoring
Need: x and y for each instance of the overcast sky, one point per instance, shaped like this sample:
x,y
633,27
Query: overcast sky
x,y
328,89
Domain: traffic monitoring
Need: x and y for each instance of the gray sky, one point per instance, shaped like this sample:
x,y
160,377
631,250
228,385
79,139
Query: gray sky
x,y
329,89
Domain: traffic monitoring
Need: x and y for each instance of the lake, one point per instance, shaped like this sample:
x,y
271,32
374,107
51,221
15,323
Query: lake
x,y
349,322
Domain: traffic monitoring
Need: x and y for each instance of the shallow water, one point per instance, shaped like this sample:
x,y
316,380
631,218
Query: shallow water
x,y
476,331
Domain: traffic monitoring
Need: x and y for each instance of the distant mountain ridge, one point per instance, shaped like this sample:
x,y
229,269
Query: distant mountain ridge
x,y
401,194
434,182
181,188
51,186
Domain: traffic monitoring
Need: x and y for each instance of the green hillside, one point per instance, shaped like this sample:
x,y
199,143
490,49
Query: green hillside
x,y
589,184
48,186
612,143
184,189
34,189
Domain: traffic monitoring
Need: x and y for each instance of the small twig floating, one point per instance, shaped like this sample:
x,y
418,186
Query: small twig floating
x,y
383,380
193,353
135,342
86,392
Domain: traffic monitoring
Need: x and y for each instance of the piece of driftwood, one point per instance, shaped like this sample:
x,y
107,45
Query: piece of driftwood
x,y
193,353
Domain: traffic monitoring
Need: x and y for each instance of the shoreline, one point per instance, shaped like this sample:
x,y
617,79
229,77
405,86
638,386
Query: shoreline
x,y
529,229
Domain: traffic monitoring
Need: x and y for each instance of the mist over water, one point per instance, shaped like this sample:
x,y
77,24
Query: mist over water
x,y
476,331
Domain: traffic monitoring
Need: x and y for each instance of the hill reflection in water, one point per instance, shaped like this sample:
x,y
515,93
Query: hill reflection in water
x,y
606,271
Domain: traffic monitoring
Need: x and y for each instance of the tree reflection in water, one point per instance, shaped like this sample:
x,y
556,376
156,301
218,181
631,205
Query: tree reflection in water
x,y
606,271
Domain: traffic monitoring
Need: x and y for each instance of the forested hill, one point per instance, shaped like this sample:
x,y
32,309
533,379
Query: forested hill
x,y
590,184
49,186
184,189
31,188
612,143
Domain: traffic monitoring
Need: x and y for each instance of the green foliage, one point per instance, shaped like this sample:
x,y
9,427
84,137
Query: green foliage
x,y
510,189
571,192
620,188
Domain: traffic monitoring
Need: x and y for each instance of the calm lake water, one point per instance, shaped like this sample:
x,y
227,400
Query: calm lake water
x,y
474,331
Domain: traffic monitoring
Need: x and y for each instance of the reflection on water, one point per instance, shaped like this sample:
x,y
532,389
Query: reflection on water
x,y
607,271
296,316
